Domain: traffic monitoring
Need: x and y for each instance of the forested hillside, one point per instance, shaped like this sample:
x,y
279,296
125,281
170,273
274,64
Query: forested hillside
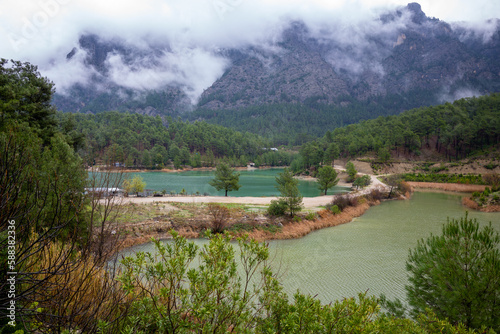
x,y
295,83
296,123
135,140
453,130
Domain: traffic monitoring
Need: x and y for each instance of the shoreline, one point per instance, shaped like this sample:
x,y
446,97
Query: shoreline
x,y
167,170
296,230
290,230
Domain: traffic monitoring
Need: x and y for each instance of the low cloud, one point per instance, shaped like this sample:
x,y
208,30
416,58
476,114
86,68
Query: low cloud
x,y
192,69
483,30
448,95
179,42
68,72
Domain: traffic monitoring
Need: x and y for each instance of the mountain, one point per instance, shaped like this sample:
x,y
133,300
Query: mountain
x,y
400,60
426,54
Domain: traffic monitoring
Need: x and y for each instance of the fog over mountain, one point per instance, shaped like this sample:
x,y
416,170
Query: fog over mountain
x,y
166,57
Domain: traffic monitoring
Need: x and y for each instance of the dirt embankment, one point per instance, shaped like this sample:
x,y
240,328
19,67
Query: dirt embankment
x,y
457,187
288,230
294,230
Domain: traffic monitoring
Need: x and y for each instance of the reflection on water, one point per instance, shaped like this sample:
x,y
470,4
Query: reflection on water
x,y
367,254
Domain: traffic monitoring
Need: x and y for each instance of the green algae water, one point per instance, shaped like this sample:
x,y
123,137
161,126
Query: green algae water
x,y
366,255
255,183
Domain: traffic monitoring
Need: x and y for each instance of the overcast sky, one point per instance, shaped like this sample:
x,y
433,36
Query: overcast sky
x,y
44,31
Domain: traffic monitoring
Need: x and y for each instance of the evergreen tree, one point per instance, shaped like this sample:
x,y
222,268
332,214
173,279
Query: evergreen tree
x,y
351,171
327,178
289,190
25,96
457,274
383,154
225,178
332,153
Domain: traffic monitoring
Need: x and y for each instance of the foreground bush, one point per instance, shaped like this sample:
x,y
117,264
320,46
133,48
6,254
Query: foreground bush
x,y
236,291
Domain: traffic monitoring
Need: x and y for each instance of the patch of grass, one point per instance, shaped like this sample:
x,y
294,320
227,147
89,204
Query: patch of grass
x,y
233,205
490,166
311,216
241,227
272,228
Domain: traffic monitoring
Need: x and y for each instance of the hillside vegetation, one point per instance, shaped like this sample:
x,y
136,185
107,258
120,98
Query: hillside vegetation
x,y
452,130
134,140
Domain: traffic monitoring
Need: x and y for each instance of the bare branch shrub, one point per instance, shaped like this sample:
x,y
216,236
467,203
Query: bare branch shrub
x,y
63,237
404,187
220,214
492,179
376,195
103,232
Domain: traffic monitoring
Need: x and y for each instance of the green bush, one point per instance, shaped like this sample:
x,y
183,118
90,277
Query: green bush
x,y
334,209
439,169
277,207
362,181
311,216
490,166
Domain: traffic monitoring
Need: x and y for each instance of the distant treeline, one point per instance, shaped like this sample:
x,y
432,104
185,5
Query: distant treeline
x,y
134,140
453,129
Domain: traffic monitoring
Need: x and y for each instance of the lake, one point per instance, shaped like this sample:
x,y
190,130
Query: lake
x,y
367,254
255,183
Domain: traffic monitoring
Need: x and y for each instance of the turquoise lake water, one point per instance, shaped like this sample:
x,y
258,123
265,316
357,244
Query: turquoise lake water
x,y
256,183
367,254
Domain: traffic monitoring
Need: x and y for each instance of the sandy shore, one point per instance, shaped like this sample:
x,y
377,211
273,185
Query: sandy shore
x,y
309,202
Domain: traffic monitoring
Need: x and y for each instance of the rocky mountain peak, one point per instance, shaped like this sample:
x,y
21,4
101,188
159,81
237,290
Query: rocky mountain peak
x,y
418,16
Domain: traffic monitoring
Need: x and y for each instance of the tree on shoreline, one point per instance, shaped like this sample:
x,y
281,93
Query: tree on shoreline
x,y
61,234
136,185
225,178
290,194
327,178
